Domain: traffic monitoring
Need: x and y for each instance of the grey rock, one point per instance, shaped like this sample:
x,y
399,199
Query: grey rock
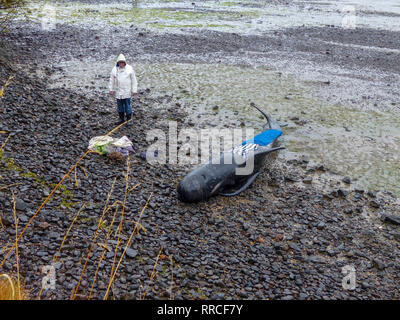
x,y
321,225
131,253
7,221
303,296
347,180
218,296
372,194
23,218
378,264
57,265
307,180
20,205
374,204
348,210
109,255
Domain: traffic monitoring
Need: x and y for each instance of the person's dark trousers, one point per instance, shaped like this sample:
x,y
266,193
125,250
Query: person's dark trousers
x,y
124,108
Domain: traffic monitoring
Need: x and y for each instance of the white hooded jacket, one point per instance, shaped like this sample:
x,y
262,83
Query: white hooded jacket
x,y
123,80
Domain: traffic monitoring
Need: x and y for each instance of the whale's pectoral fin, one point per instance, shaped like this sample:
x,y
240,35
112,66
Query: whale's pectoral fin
x,y
247,184
271,150
215,189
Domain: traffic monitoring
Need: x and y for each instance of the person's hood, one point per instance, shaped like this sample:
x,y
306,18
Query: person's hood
x,y
121,57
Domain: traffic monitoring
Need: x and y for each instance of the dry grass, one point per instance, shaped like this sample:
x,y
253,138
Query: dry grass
x,y
52,192
16,242
122,219
5,86
41,206
4,143
126,247
57,255
105,247
171,296
10,290
94,239
153,274
9,186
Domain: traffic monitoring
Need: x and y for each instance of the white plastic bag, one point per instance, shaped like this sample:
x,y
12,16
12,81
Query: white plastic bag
x,y
106,144
123,142
100,144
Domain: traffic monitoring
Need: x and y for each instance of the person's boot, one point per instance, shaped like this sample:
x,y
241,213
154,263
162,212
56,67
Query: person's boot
x,y
129,117
121,118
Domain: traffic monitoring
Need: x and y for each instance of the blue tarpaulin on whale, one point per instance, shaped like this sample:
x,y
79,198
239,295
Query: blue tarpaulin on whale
x,y
264,138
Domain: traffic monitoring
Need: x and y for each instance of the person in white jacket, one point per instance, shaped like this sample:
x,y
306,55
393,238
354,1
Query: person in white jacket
x,y
123,84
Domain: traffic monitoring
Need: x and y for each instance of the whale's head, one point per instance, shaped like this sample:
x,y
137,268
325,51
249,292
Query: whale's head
x,y
201,184
193,188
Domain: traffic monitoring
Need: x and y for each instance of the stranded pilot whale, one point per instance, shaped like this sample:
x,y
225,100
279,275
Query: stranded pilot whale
x,y
222,177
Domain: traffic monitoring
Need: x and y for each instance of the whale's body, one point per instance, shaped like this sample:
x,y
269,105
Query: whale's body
x,y
227,175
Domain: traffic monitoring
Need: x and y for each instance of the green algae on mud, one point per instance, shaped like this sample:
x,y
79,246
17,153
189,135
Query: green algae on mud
x,y
66,197
244,17
146,17
157,25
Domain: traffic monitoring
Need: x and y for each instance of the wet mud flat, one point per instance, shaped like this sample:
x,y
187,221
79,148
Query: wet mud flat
x,y
336,88
287,237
